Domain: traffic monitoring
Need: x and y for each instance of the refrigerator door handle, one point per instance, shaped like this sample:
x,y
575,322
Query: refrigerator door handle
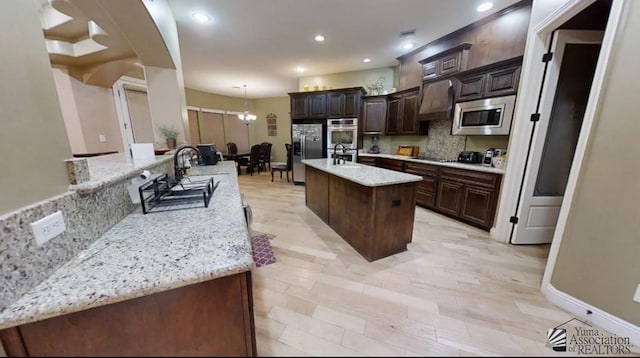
x,y
303,138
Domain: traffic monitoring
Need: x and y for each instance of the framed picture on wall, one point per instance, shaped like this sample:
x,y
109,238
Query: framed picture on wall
x,y
272,125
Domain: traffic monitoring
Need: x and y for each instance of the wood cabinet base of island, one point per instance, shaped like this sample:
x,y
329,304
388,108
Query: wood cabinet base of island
x,y
211,318
376,221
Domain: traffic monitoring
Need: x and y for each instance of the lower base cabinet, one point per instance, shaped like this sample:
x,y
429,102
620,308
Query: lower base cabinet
x,y
466,195
469,196
211,318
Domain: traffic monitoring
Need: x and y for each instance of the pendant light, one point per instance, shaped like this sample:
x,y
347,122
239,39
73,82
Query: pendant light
x,y
246,116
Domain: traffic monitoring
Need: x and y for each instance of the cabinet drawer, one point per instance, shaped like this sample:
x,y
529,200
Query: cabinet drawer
x,y
367,160
421,169
488,180
390,164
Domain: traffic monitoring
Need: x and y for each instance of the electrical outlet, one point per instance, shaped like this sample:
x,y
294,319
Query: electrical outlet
x,y
48,227
636,297
102,137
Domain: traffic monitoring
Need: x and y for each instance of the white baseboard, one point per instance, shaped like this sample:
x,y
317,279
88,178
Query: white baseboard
x,y
598,317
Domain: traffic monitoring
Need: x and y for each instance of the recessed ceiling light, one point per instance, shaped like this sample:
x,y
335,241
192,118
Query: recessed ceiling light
x,y
200,17
319,38
408,45
485,6
299,69
366,60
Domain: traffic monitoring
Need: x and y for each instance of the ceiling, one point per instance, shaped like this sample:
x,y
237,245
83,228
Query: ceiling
x,y
260,43
248,42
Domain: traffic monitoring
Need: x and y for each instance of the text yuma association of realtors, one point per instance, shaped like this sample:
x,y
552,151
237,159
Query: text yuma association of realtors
x,y
589,341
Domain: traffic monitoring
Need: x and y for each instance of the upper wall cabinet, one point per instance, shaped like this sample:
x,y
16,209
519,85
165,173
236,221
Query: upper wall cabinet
x,y
341,103
374,115
495,38
445,63
499,79
402,111
344,103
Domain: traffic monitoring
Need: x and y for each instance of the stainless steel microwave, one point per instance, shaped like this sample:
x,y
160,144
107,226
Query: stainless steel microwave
x,y
490,116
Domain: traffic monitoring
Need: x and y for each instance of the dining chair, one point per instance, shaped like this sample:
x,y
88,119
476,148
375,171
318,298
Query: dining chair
x,y
284,167
265,155
254,160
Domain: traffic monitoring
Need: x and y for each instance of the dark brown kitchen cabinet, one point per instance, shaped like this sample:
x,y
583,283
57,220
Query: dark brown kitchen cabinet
x,y
426,189
367,160
308,105
344,104
468,195
391,164
445,63
402,111
211,318
498,79
374,115
450,196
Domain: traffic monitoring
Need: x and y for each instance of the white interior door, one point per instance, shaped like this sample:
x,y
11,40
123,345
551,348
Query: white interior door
x,y
562,106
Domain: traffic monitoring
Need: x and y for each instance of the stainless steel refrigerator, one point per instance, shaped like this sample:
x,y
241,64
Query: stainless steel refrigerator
x,y
308,143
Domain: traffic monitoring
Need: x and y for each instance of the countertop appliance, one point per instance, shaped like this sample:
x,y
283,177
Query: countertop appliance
x,y
469,157
490,154
207,154
308,143
490,116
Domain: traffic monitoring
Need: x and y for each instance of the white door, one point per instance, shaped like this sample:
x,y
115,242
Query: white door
x,y
563,101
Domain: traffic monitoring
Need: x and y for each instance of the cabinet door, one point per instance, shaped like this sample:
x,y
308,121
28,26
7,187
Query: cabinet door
x,y
318,105
450,196
502,82
426,192
478,206
449,64
430,70
299,106
437,99
470,87
352,104
374,115
394,111
409,113
335,105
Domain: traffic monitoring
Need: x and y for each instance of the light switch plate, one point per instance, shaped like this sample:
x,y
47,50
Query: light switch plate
x,y
636,297
102,138
48,227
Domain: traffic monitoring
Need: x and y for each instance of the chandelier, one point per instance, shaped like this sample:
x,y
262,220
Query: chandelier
x,y
246,116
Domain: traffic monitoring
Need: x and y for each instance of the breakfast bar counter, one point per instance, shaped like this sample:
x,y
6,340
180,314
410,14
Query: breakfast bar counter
x,y
178,277
371,208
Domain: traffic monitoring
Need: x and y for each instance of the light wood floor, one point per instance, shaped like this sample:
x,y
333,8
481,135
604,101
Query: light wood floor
x,y
454,292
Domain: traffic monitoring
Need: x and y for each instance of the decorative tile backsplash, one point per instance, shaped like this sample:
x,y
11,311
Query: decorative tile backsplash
x,y
24,265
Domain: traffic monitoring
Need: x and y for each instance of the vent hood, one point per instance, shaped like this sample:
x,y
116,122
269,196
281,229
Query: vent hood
x,y
437,100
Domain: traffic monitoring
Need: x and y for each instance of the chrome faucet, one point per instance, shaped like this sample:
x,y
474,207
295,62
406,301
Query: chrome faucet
x,y
335,148
180,171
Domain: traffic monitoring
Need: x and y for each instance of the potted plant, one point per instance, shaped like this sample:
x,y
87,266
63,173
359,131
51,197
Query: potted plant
x,y
170,133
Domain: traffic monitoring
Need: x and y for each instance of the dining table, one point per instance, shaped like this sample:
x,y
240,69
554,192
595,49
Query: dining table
x,y
237,158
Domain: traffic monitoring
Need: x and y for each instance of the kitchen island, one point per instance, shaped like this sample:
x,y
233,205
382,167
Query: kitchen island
x,y
371,208
166,283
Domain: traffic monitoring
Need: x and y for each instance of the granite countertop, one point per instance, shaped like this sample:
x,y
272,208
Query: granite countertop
x,y
106,169
362,174
476,167
146,254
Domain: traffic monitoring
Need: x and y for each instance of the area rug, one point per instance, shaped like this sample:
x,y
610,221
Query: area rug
x,y
262,252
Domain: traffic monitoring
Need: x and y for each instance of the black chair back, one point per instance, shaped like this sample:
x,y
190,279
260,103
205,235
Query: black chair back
x,y
232,148
254,156
289,156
